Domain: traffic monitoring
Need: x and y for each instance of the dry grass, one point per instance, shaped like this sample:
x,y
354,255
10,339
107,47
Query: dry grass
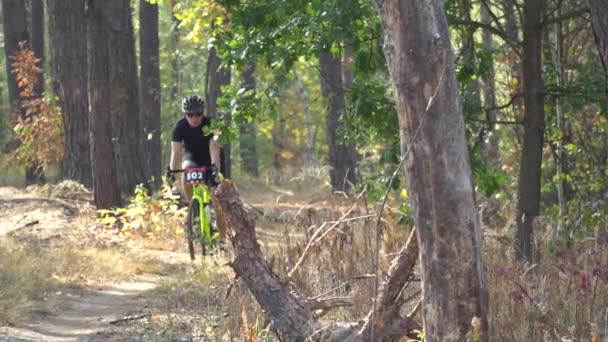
x,y
563,297
29,272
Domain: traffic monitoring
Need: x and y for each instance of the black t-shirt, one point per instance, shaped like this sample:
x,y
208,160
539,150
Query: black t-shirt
x,y
195,142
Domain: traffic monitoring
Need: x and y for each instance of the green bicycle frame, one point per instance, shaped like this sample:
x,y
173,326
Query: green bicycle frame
x,y
201,193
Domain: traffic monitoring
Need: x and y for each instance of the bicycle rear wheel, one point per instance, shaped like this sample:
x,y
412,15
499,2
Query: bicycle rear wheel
x,y
193,227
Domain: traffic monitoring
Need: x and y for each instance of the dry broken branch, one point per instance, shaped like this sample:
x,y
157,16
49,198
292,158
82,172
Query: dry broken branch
x,y
291,315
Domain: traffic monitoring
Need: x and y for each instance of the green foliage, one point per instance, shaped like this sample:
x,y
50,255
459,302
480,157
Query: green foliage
x,y
146,215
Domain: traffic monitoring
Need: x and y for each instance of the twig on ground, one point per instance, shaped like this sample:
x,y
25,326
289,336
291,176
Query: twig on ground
x,y
130,318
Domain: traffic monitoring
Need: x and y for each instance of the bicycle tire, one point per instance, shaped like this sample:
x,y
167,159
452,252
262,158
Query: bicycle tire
x,y
191,226
215,241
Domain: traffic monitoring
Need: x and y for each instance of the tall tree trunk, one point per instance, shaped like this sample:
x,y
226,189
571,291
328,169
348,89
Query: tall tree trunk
x,y
100,124
217,76
310,129
341,155
174,46
421,64
599,23
150,87
489,92
37,22
69,54
534,128
35,172
512,31
127,132
247,131
16,31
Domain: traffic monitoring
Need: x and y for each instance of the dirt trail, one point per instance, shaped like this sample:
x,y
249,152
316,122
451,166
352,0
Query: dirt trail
x,y
107,311
86,314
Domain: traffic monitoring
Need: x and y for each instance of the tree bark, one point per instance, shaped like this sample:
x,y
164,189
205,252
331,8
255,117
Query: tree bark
x,y
421,64
37,23
150,87
217,76
127,132
290,313
69,54
15,31
341,155
106,192
291,319
247,131
534,127
489,93
599,23
310,129
174,46
386,319
35,173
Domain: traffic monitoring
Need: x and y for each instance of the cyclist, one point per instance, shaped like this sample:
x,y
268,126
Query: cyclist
x,y
198,149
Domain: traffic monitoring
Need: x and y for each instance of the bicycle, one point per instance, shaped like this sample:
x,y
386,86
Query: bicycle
x,y
199,224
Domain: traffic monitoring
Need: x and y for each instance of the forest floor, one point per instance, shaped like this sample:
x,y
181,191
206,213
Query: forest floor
x,y
66,277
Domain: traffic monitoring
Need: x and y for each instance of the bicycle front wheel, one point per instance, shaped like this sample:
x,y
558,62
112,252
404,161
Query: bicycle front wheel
x,y
193,225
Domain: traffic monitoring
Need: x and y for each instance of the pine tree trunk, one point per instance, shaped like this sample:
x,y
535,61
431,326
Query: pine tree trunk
x,y
150,87
489,93
534,127
35,173
247,131
310,129
174,48
100,123
67,22
599,22
341,155
127,132
442,195
217,76
15,31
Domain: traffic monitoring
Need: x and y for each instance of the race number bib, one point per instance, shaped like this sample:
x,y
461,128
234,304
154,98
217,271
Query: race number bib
x,y
196,175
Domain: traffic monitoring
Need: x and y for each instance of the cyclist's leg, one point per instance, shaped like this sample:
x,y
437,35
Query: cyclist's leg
x,y
187,162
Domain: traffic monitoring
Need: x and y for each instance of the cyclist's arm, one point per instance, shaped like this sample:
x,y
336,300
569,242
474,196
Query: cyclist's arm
x,y
214,151
176,155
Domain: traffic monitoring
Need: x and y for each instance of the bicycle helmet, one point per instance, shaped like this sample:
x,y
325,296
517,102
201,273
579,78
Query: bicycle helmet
x,y
193,104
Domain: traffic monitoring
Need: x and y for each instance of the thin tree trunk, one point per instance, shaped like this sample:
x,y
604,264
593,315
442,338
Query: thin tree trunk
x,y
599,23
150,87
512,31
37,22
35,173
175,53
489,92
15,31
534,128
100,125
421,64
217,76
341,155
67,22
247,131
310,129
127,132
560,125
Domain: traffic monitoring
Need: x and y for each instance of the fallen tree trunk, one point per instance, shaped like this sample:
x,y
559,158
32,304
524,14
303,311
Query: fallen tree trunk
x,y
291,319
291,314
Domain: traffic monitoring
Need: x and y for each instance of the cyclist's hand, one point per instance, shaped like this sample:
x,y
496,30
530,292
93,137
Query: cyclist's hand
x,y
170,175
216,174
